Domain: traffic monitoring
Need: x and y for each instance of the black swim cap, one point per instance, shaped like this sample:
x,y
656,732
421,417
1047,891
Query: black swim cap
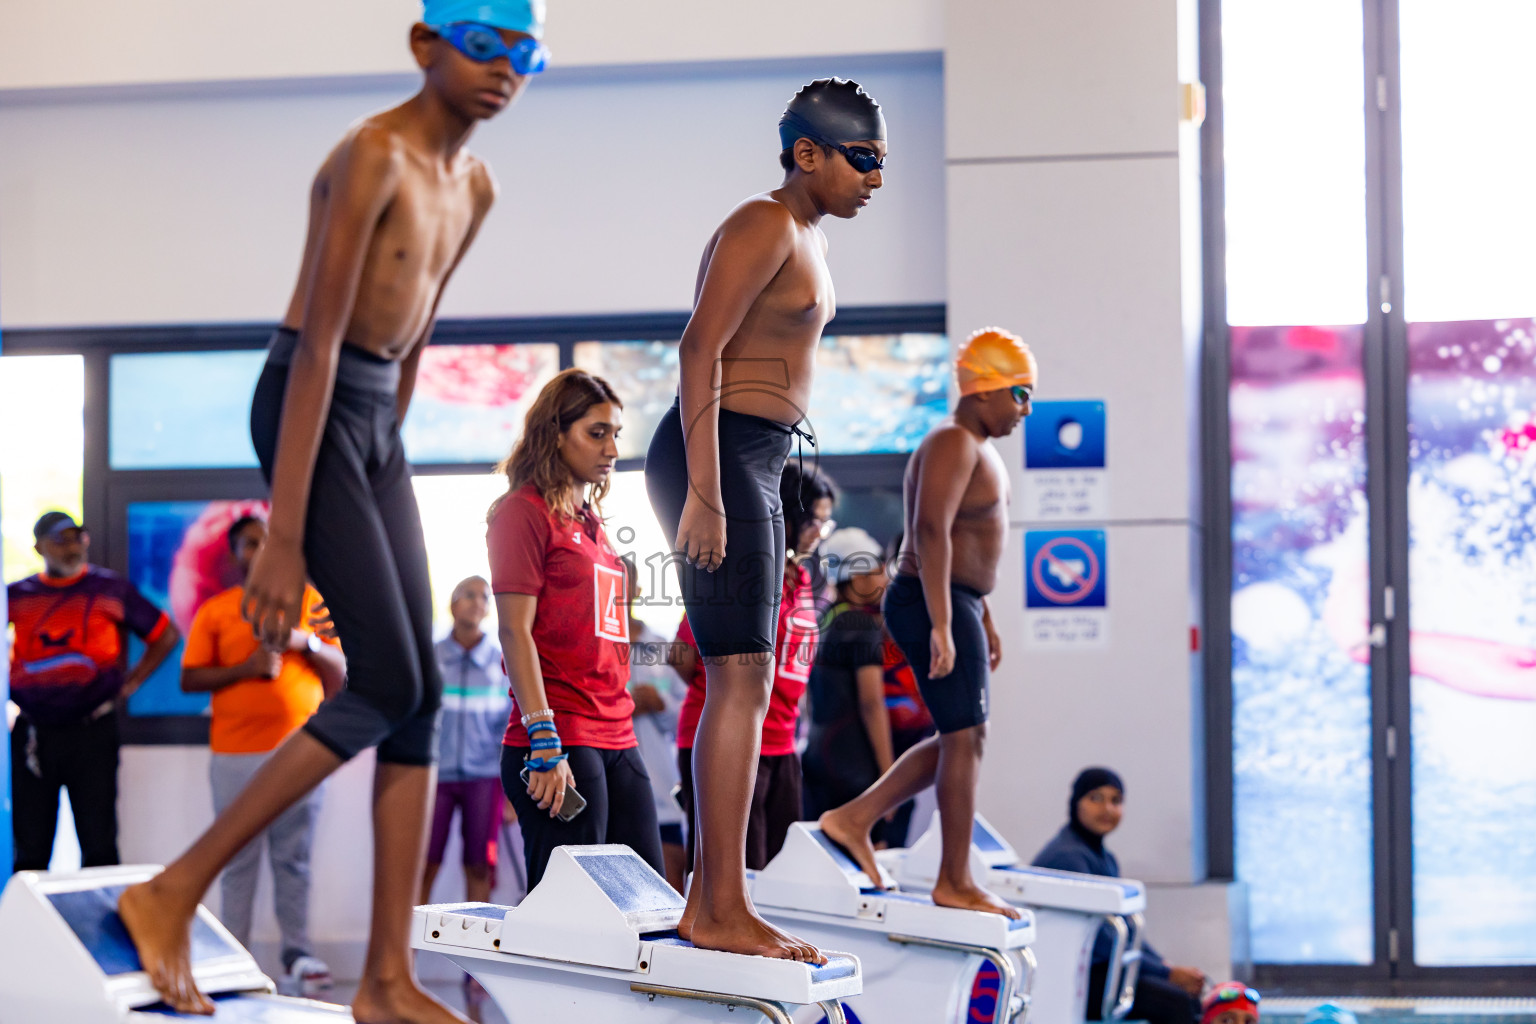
x,y
831,111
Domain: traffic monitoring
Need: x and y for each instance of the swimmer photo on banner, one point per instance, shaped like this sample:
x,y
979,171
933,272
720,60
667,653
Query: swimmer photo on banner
x,y
1065,474
1066,589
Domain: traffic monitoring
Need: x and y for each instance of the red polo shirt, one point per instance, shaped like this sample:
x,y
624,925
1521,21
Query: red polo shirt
x,y
796,653
581,628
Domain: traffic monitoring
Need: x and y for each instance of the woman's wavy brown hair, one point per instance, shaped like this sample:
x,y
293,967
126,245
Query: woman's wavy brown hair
x,y
536,457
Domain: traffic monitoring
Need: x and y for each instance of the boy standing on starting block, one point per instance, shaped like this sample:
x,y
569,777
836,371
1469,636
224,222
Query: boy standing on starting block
x,y
392,212
956,495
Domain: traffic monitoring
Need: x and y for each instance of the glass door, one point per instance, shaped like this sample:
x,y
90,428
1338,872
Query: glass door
x,y
1379,171
1296,223
1468,107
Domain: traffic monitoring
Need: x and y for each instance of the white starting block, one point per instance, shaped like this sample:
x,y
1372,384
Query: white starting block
x,y
65,956
921,962
1069,910
596,940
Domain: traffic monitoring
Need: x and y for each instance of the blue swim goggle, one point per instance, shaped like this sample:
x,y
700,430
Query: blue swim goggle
x,y
483,43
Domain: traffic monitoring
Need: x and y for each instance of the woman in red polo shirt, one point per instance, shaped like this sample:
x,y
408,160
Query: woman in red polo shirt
x,y
563,617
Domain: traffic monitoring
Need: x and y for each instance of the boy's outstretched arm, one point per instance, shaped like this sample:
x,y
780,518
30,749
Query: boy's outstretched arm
x,y
364,177
754,243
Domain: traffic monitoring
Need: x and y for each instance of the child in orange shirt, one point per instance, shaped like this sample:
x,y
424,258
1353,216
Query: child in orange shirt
x,y
259,697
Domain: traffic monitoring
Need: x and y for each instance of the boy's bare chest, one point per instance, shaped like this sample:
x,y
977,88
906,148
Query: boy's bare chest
x,y
425,226
988,489
801,293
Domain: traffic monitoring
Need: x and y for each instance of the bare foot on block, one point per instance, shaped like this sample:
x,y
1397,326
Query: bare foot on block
x,y
399,1002
159,921
749,934
690,911
854,841
972,897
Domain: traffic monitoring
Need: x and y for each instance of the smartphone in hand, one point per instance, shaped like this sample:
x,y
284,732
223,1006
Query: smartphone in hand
x,y
573,804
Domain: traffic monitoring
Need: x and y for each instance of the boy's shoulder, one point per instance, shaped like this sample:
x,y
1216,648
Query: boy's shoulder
x,y
948,436
759,214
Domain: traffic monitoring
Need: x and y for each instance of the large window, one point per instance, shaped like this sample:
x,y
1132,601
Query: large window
x,y
1469,213
183,410
1296,232
179,557
174,465
1381,326
470,400
42,422
874,394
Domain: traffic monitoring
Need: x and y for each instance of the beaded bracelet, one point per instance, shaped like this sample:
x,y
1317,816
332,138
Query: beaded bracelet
x,y
532,715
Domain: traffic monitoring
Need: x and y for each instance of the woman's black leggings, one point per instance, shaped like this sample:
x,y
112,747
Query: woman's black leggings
x,y
621,807
366,555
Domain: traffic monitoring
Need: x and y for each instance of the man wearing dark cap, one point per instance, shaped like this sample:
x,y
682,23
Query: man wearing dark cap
x,y
747,357
67,678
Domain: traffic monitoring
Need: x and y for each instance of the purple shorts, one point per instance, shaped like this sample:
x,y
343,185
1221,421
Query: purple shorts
x,y
479,803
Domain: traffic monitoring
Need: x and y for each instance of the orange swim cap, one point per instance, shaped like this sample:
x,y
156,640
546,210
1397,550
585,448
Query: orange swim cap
x,y
993,359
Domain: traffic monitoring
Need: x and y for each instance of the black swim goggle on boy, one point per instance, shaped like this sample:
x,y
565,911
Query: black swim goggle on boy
x,y
483,43
860,158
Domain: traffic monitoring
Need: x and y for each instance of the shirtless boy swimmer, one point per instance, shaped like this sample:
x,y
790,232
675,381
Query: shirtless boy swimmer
x,y
746,361
956,497
392,211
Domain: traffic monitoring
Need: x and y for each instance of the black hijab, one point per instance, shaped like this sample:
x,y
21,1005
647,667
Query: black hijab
x,y
1088,780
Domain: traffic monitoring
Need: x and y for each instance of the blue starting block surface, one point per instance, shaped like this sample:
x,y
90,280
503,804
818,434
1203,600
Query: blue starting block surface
x,y
1130,890
835,969
630,883
258,1010
838,854
92,915
989,842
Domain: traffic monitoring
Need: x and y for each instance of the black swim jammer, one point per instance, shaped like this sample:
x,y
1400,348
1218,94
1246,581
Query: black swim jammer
x,y
959,700
365,552
735,609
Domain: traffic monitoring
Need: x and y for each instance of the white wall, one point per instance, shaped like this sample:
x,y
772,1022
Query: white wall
x,y
189,206
111,43
1067,224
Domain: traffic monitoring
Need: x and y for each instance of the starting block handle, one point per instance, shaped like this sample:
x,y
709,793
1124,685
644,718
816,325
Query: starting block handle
x,y
1124,966
773,1012
833,1008
1027,986
1008,975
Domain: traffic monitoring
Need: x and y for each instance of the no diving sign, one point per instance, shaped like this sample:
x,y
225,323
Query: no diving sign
x,y
1066,588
